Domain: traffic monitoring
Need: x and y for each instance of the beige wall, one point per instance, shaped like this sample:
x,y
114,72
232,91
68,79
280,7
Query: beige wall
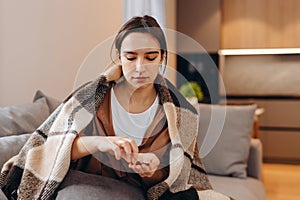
x,y
43,43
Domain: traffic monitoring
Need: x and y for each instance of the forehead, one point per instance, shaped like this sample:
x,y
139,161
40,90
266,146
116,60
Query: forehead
x,y
137,41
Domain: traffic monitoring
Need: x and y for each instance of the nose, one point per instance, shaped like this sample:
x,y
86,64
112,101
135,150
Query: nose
x,y
139,65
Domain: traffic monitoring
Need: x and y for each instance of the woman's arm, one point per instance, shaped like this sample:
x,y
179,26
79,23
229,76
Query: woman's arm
x,y
118,146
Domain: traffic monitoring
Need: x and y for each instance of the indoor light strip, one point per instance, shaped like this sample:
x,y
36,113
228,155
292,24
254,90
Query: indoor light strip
x,y
259,51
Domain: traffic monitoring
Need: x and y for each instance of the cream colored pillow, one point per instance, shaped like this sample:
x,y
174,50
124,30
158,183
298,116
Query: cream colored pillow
x,y
52,102
25,118
10,146
224,138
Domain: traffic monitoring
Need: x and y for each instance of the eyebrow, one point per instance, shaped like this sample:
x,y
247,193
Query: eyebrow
x,y
150,52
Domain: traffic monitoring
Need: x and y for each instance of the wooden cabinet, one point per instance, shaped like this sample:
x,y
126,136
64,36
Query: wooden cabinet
x,y
200,20
260,24
270,79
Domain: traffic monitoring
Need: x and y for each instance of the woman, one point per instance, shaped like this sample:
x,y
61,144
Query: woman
x,y
131,108
130,124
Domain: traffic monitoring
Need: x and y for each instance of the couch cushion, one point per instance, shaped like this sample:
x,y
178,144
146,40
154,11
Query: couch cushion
x,y
249,188
23,118
52,102
224,138
78,185
10,146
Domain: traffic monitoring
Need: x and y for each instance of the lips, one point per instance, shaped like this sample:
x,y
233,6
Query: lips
x,y
140,78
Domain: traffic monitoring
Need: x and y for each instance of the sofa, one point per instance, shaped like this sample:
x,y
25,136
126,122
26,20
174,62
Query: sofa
x,y
232,159
249,188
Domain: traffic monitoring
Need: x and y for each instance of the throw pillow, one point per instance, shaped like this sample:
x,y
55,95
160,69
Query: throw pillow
x,y
52,102
224,138
23,118
10,146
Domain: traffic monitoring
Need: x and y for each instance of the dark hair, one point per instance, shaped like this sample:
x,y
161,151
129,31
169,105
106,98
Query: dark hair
x,y
144,24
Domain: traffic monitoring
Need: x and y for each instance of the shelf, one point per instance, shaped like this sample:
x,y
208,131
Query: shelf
x,y
269,51
260,72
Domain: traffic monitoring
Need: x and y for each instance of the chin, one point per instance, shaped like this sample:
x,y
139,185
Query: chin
x,y
141,85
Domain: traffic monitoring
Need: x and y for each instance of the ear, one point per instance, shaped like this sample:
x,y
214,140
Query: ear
x,y
118,55
163,56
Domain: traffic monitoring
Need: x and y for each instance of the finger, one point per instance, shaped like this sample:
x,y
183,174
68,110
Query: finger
x,y
145,168
135,151
122,146
134,146
125,156
153,165
147,174
113,149
133,167
138,169
125,150
134,158
131,149
117,152
155,162
143,172
126,146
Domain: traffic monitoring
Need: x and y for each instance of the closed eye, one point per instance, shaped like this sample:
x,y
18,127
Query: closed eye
x,y
151,58
152,55
130,58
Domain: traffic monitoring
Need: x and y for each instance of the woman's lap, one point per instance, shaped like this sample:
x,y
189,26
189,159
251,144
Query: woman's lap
x,y
80,185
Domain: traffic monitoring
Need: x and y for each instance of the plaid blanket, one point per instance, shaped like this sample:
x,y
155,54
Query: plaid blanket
x,y
43,162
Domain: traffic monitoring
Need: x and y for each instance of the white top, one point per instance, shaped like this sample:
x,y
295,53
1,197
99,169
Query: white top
x,y
133,126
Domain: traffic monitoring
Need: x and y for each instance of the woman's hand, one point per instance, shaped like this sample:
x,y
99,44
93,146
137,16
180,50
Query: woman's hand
x,y
120,147
146,164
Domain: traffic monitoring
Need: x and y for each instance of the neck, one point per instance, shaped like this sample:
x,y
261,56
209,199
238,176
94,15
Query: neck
x,y
135,100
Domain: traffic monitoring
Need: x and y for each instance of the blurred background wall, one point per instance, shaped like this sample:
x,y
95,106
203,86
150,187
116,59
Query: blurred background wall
x,y
44,43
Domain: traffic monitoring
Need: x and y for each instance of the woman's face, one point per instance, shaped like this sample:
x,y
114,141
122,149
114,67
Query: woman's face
x,y
140,58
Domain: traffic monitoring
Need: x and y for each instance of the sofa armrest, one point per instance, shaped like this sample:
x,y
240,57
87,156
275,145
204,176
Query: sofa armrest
x,y
254,166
